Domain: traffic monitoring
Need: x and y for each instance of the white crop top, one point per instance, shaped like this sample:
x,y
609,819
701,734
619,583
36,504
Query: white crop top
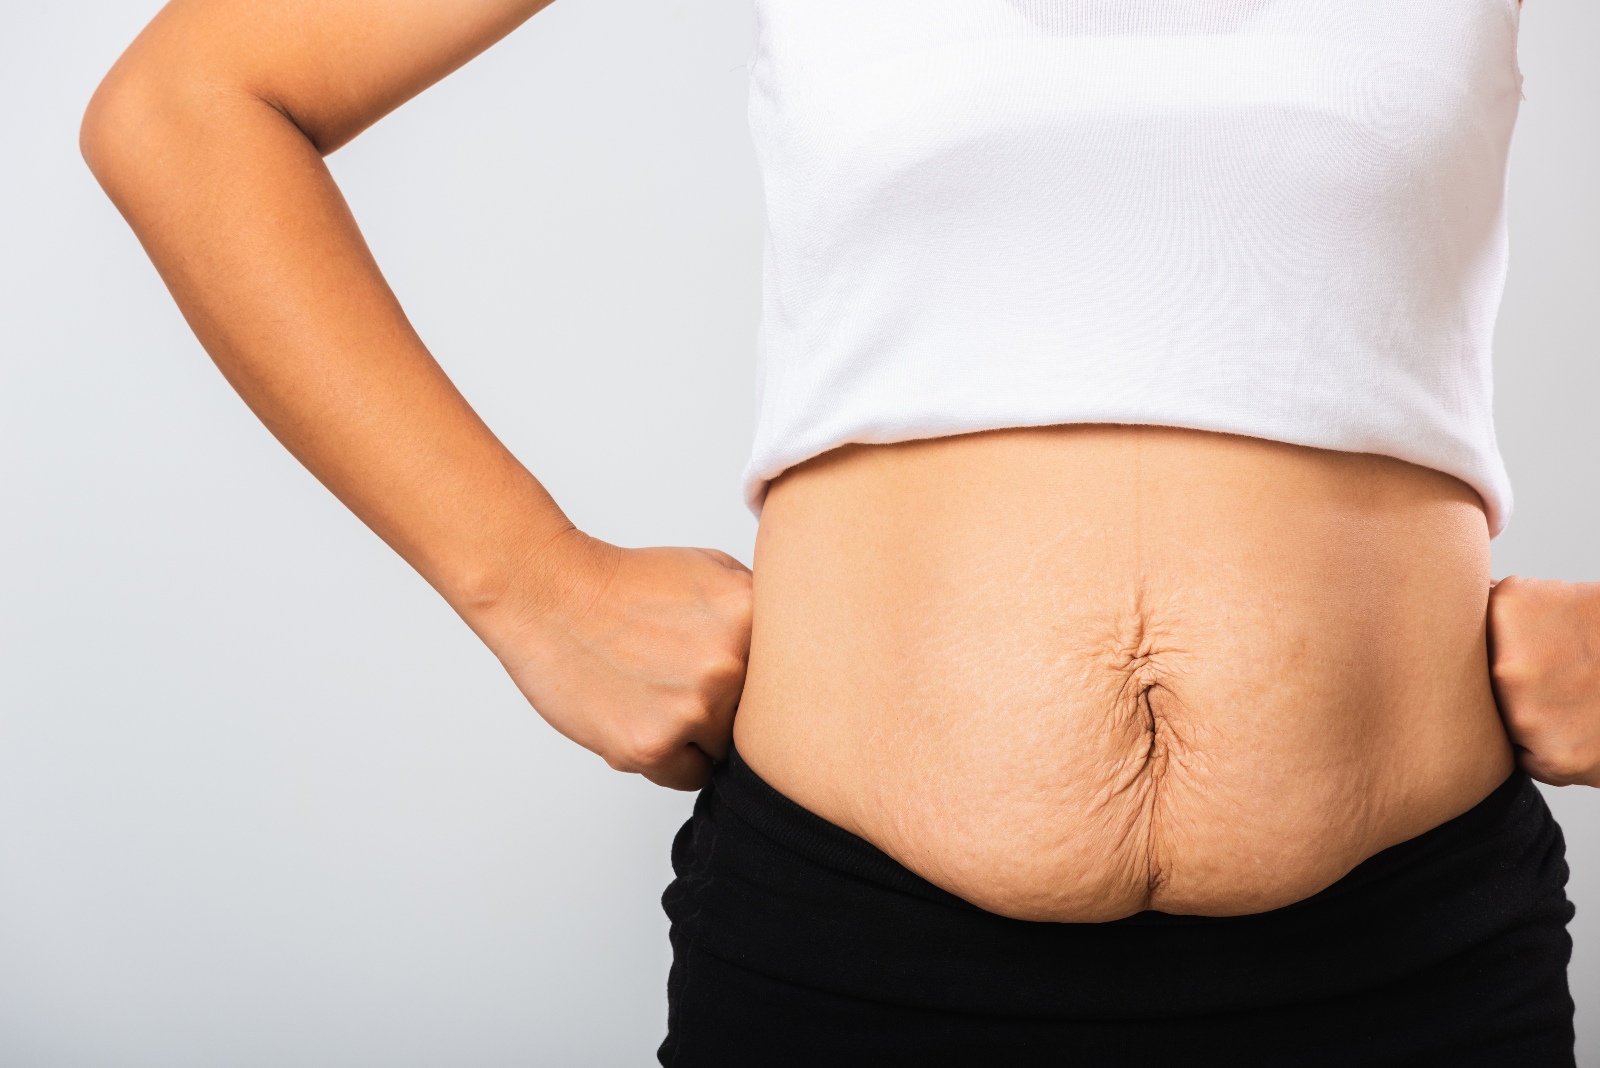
x,y
1277,218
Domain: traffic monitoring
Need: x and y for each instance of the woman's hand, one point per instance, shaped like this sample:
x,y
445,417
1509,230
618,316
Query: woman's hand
x,y
209,135
1544,655
640,658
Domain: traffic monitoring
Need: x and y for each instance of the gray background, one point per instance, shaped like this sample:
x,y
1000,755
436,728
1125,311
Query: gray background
x,y
264,800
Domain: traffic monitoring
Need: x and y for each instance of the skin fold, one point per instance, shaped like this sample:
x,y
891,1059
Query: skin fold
x,y
1067,672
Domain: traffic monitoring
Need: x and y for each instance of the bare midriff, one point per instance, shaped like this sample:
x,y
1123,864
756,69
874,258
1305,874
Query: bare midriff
x,y
1074,673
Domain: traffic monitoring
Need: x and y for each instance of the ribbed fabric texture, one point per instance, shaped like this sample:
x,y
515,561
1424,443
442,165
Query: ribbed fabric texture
x,y
1277,218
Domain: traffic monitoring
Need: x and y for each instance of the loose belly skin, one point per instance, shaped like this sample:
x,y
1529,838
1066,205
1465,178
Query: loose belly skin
x,y
1073,673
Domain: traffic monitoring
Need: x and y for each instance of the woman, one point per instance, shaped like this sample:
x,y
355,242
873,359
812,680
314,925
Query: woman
x,y
1120,677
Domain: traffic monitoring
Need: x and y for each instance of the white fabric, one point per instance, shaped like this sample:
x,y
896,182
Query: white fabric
x,y
1278,218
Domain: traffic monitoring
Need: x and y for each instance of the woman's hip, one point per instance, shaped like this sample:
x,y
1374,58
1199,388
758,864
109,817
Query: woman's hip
x,y
795,939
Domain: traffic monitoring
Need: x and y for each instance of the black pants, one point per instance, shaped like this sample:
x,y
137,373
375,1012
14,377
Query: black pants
x,y
797,943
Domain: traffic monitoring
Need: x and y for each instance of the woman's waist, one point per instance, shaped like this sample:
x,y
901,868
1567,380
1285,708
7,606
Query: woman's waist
x,y
1074,674
872,929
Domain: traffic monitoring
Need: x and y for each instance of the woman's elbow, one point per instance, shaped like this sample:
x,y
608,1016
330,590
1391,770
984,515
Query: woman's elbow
x,y
129,124
110,125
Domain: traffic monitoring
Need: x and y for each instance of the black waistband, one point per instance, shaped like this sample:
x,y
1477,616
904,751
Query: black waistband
x,y
772,887
810,836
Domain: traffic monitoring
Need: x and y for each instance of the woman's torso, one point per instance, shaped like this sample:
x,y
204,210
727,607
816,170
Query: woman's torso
x,y
1073,673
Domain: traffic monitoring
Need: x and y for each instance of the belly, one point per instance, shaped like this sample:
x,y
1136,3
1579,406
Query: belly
x,y
1073,673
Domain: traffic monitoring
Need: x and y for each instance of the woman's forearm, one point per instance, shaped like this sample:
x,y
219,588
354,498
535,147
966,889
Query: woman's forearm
x,y
209,136
240,215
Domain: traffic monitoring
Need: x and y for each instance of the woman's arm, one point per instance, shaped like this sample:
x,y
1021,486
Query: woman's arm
x,y
209,134
1544,642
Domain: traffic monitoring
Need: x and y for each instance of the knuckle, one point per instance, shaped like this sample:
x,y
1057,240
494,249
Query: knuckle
x,y
1510,585
1563,761
1505,615
1530,724
641,748
1505,678
1560,768
742,597
1513,670
723,667
693,714
1581,764
651,746
1521,725
1506,665
1515,597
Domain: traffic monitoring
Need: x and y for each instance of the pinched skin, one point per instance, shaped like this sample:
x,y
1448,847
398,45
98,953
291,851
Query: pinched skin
x,y
1075,673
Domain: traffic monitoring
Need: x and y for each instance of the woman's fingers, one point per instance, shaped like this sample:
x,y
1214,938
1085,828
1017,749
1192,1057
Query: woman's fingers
x,y
727,561
1544,638
715,737
644,664
687,768
674,750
